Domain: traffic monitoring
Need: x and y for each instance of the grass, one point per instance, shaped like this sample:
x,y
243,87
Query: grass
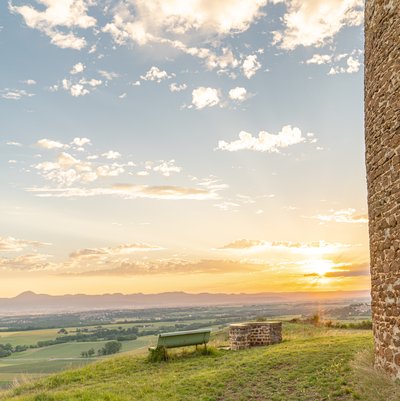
x,y
311,364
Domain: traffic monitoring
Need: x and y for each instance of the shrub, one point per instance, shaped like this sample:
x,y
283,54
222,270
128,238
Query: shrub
x,y
159,354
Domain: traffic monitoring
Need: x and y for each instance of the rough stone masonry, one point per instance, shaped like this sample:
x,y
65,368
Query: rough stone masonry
x,y
382,139
246,335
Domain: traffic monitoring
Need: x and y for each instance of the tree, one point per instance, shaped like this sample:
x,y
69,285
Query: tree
x,y
62,331
91,352
110,347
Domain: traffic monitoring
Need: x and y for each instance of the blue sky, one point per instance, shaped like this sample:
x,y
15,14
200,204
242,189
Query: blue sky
x,y
167,145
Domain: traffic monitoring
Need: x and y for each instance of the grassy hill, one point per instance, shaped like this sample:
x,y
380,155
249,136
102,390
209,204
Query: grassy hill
x,y
312,364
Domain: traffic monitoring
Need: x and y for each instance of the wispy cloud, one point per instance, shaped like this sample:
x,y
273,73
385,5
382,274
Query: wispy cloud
x,y
342,216
129,191
14,94
11,244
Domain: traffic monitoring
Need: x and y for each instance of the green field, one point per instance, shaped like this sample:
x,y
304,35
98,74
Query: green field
x,y
312,364
36,362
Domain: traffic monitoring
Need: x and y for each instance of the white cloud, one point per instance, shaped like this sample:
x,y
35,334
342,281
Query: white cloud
x,y
14,94
50,144
58,13
91,82
29,82
343,216
177,24
80,88
314,23
266,142
136,83
122,95
320,59
112,155
227,206
142,21
205,97
108,74
12,143
239,94
80,142
174,87
77,68
352,66
155,74
167,167
250,66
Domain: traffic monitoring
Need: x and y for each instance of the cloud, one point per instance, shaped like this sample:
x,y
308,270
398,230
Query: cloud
x,y
170,23
343,216
250,66
120,250
266,142
205,97
157,75
167,167
75,90
80,142
143,21
50,144
67,169
11,244
77,68
129,191
54,14
29,262
170,266
246,245
239,94
29,82
12,143
174,87
352,66
314,23
14,94
80,88
108,74
320,59
112,155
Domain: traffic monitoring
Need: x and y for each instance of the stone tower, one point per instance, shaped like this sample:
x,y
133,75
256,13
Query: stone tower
x,y
382,138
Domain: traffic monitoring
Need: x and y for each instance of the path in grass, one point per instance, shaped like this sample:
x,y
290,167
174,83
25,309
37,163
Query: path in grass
x,y
300,369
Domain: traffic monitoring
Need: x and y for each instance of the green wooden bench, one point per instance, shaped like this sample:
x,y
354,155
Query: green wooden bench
x,y
182,339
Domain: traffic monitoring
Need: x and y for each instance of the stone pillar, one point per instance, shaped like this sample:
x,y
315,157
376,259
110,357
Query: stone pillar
x,y
382,139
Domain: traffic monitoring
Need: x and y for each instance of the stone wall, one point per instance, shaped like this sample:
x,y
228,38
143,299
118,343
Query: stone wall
x,y
246,335
382,138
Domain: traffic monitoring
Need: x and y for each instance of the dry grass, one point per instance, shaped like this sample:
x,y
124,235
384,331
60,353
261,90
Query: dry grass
x,y
373,385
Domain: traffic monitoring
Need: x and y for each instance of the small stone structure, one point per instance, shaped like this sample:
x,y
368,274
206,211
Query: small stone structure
x,y
382,140
246,335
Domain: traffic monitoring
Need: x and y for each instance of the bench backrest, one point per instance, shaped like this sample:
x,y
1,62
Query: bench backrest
x,y
184,338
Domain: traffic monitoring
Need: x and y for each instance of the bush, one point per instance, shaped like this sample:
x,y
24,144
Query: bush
x,y
158,354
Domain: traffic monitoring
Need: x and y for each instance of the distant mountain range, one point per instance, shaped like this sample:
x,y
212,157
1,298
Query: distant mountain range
x,y
29,302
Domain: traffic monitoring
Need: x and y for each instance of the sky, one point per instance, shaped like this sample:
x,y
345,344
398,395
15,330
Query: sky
x,y
182,145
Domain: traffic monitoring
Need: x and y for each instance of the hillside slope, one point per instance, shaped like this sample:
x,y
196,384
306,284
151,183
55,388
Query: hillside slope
x,y
311,364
